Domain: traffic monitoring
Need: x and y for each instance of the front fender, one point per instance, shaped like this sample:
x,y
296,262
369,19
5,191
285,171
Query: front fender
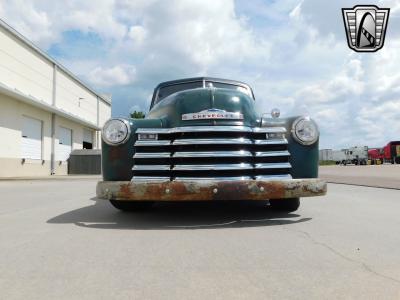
x,y
303,158
117,161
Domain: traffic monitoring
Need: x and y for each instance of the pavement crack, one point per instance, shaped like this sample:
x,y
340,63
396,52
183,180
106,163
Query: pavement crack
x,y
341,255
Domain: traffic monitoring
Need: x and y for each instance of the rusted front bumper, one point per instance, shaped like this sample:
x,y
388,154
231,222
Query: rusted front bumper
x,y
210,190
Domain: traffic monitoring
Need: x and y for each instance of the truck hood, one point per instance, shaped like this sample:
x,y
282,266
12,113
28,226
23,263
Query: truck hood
x,y
210,106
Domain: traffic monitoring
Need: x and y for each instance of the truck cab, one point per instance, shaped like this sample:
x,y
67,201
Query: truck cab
x,y
392,152
204,140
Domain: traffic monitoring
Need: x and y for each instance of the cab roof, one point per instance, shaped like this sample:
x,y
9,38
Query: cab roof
x,y
183,80
204,79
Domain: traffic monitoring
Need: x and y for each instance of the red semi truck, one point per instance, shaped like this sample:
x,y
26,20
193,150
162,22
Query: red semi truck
x,y
375,155
389,153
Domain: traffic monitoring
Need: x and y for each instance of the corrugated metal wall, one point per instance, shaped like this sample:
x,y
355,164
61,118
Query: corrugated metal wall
x,y
85,162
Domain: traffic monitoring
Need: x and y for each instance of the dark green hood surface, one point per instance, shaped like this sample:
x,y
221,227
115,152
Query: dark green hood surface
x,y
171,109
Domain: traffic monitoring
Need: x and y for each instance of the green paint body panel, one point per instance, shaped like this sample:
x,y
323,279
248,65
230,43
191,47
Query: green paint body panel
x,y
304,159
170,109
117,161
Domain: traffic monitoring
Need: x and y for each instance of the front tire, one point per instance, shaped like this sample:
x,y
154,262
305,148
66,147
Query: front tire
x,y
287,205
131,205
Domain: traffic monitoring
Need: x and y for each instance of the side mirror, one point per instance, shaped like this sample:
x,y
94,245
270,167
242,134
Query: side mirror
x,y
266,118
275,113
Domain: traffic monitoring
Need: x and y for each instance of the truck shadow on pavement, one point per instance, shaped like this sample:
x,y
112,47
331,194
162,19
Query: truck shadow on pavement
x,y
179,216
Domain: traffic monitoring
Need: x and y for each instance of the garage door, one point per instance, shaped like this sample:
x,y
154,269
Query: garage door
x,y
31,138
64,143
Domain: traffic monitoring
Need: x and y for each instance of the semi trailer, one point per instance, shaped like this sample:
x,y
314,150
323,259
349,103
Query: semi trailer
x,y
357,155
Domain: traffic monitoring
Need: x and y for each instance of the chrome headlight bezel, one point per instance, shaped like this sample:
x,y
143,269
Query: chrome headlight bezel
x,y
297,136
125,124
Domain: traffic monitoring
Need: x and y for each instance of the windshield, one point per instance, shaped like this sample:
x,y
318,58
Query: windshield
x,y
174,88
171,89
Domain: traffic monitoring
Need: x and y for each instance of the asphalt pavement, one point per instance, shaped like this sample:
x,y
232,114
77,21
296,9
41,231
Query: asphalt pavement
x,y
386,176
58,243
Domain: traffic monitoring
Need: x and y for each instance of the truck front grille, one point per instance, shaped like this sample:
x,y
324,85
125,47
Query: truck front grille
x,y
212,152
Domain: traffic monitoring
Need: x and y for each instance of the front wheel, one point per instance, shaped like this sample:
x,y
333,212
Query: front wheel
x,y
287,205
131,205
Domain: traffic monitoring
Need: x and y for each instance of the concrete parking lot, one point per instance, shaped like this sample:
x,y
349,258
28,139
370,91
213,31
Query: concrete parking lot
x,y
387,175
57,243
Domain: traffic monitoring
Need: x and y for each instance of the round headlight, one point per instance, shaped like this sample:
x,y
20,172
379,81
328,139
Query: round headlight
x,y
305,131
116,131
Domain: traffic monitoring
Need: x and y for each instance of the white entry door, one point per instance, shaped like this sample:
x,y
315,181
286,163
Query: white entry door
x,y
64,143
31,138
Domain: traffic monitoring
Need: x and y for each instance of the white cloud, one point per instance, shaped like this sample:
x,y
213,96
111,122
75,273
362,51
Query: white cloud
x,y
202,33
116,75
137,33
294,53
43,21
32,22
296,12
348,83
92,16
387,129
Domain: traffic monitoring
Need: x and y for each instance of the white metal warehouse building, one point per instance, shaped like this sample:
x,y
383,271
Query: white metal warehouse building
x,y
45,111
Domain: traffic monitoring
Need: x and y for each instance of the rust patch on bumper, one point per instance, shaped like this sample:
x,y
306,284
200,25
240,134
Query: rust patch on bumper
x,y
210,190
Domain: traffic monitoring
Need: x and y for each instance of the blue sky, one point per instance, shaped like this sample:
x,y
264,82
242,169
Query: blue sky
x,y
293,53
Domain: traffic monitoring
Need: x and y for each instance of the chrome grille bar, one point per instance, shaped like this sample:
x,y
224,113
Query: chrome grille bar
x,y
241,153
237,141
152,155
271,142
270,130
211,129
271,153
241,166
273,166
153,130
137,167
153,143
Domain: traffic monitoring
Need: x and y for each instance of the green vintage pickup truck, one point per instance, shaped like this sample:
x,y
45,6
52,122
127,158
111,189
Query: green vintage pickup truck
x,y
204,140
